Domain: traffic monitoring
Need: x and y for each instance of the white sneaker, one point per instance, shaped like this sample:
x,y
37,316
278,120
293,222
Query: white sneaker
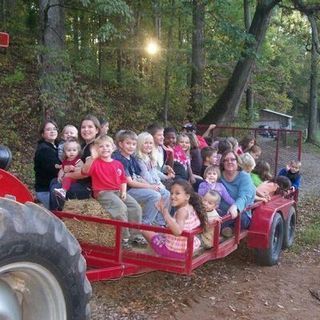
x,y
60,192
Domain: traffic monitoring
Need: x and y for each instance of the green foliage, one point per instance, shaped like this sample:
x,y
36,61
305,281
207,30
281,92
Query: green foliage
x,y
15,78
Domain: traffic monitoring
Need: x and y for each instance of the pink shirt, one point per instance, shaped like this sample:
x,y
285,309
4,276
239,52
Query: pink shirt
x,y
179,243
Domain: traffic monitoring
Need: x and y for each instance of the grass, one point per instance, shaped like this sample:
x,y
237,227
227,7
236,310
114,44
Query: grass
x,y
310,236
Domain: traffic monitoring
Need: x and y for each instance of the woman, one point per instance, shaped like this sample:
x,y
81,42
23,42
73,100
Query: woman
x,y
46,161
240,187
89,130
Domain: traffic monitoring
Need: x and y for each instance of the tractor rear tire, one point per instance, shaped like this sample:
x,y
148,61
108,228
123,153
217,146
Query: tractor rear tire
x,y
270,256
289,229
42,271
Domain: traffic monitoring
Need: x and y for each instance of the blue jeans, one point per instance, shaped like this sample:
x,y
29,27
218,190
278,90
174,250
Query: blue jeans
x,y
79,190
44,198
148,199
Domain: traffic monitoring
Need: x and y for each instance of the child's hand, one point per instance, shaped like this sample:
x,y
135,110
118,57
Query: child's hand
x,y
58,166
156,187
160,205
192,179
123,195
68,168
212,126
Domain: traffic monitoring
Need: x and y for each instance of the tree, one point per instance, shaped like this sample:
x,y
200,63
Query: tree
x,y
197,62
224,110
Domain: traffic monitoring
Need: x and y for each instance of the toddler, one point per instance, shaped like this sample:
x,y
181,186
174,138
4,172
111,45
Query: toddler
x,y
72,162
247,162
292,171
68,132
189,214
211,176
211,201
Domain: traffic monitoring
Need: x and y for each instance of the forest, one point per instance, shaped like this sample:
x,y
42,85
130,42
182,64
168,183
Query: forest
x,y
135,62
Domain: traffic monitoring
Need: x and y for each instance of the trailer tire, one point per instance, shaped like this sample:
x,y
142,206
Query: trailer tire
x,y
289,229
270,256
41,266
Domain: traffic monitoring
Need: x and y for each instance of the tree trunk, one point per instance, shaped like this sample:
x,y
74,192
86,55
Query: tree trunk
x,y
196,90
52,39
166,96
313,95
157,18
224,110
249,91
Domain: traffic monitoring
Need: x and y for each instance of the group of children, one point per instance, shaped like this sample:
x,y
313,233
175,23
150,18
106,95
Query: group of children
x,y
131,178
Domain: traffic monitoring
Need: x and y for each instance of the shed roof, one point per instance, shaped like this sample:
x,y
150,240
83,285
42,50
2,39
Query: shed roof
x,y
278,113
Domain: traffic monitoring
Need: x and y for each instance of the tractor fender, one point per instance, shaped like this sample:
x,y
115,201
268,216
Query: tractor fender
x,y
11,186
262,217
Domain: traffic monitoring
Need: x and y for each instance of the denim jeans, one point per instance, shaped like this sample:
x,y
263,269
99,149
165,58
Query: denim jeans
x,y
79,190
44,197
148,199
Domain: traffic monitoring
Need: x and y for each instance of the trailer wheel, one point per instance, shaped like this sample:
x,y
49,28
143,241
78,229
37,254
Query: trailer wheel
x,y
270,256
42,271
289,229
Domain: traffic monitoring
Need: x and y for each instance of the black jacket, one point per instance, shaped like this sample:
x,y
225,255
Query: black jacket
x,y
45,159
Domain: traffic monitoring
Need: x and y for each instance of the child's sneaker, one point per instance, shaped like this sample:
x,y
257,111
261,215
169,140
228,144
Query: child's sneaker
x,y
125,244
139,241
60,192
227,232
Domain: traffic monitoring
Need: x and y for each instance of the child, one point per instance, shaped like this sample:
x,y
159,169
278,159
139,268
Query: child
x,y
68,132
209,158
292,171
279,185
71,163
105,126
261,172
247,162
164,154
212,175
109,186
211,201
195,154
188,216
245,144
142,191
146,156
255,151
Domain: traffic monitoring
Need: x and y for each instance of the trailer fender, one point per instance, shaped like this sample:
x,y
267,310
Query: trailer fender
x,y
262,217
13,187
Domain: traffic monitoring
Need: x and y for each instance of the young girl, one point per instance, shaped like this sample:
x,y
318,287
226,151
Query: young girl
x,y
260,173
71,163
109,185
211,201
245,144
147,160
212,175
68,132
247,162
188,216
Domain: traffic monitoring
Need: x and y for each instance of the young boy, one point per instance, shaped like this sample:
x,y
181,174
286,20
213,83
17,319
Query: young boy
x,y
164,154
292,171
138,188
109,185
209,158
211,201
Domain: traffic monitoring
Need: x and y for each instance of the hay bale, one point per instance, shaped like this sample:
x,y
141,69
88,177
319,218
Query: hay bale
x,y
90,232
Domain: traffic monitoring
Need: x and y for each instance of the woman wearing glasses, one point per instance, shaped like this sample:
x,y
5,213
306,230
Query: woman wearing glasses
x,y
240,187
46,161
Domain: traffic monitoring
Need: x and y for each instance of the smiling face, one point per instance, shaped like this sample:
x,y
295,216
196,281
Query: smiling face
x,y
147,145
69,132
50,132
230,162
158,138
170,139
128,146
179,198
105,149
71,149
184,142
88,131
